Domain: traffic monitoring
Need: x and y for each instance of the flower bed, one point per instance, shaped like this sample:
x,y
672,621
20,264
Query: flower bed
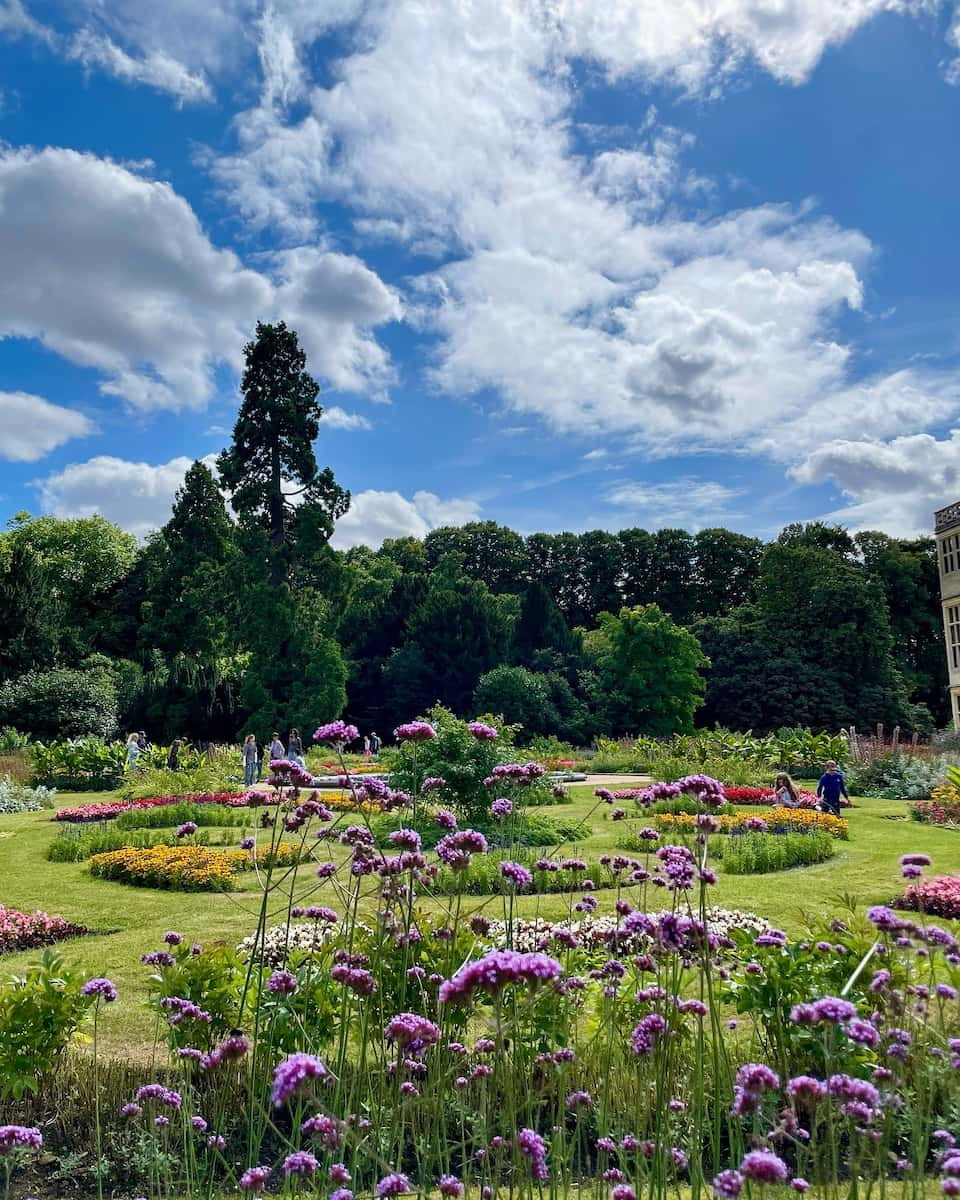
x,y
109,809
762,853
763,795
943,807
770,820
179,868
940,897
30,931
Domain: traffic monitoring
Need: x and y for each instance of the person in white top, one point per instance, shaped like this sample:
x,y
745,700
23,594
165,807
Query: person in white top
x,y
785,793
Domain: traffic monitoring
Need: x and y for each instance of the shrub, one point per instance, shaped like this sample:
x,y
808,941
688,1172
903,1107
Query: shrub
x,y
759,853
78,764
62,702
180,868
196,774
938,897
30,931
896,776
15,798
40,1012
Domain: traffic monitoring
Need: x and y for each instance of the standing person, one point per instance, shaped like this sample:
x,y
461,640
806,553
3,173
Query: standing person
x,y
366,746
276,747
831,787
141,741
133,752
785,793
295,748
251,760
260,751
173,755
374,744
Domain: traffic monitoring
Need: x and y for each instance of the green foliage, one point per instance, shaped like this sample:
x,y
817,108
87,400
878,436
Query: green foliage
x,y
213,980
14,797
483,877
40,1013
457,757
171,815
897,776
78,764
78,843
759,853
649,671
197,775
61,701
457,632
12,740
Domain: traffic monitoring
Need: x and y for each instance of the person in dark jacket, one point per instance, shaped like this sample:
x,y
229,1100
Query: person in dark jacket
x,y
830,788
173,755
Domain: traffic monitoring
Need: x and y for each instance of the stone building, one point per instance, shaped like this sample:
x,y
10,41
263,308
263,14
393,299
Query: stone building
x,y
947,529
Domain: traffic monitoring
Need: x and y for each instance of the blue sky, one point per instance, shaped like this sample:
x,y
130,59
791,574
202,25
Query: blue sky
x,y
564,266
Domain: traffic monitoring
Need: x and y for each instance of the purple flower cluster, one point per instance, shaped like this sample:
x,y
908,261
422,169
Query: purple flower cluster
x,y
532,1146
254,1178
496,970
482,732
415,731
646,1033
501,808
100,989
410,1030
336,732
162,1095
396,1184
293,1074
19,1137
752,1080
516,874
455,849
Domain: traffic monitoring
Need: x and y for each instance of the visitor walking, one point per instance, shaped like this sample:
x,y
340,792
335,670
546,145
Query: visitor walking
x,y
141,741
785,794
260,749
295,748
276,747
374,744
830,788
366,746
133,752
173,755
251,756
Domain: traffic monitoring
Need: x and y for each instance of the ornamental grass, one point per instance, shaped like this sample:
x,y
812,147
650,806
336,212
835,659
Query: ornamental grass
x,y
185,868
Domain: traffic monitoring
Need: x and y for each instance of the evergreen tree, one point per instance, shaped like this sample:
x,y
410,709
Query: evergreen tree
x,y
271,461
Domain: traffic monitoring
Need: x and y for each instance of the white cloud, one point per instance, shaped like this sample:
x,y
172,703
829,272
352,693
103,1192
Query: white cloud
x,y
30,427
571,288
135,495
124,280
376,515
338,418
16,22
685,503
155,69
895,485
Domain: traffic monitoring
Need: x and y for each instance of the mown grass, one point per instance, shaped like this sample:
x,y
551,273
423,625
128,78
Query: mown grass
x,y
129,920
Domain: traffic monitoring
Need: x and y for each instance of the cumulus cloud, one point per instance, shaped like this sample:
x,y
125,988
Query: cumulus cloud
x,y
124,280
336,417
894,485
569,286
376,515
686,502
135,495
30,427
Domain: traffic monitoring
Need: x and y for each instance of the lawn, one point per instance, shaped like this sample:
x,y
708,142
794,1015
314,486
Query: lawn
x,y
131,920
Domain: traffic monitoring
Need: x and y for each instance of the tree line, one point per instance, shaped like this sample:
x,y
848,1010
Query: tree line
x,y
239,618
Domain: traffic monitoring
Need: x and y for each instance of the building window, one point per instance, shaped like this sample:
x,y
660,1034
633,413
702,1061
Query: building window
x,y
953,636
950,553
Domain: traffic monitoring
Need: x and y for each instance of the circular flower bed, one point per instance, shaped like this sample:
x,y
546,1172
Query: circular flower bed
x,y
771,820
109,809
178,868
30,931
940,897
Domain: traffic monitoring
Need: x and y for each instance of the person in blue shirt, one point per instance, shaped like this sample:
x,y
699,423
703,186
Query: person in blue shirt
x,y
831,787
